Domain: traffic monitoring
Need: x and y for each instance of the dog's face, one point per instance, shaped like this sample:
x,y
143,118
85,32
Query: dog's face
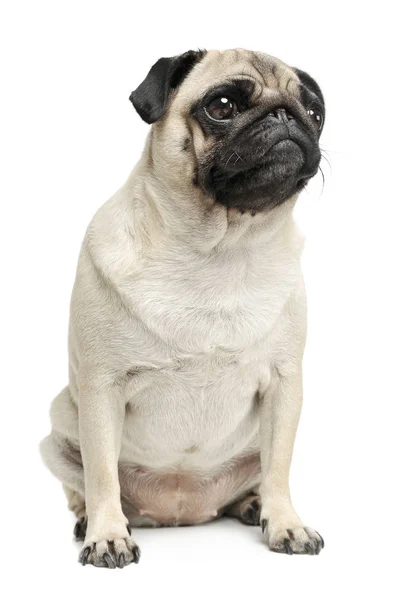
x,y
242,126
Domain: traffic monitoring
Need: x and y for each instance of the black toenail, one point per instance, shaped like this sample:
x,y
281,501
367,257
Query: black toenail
x,y
264,525
287,546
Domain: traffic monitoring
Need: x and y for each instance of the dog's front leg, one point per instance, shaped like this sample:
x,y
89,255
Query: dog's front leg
x,y
279,416
101,416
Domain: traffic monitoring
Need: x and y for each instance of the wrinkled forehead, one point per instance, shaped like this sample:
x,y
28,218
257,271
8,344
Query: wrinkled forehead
x,y
217,67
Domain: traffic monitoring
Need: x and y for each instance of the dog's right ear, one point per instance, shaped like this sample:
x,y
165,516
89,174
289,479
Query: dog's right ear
x,y
150,99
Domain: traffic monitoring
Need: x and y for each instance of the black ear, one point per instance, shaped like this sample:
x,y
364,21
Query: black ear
x,y
151,97
309,83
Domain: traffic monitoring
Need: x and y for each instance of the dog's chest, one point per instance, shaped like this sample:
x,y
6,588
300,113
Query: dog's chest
x,y
228,301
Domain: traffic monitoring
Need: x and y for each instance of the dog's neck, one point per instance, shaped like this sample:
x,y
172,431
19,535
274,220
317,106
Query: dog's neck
x,y
189,217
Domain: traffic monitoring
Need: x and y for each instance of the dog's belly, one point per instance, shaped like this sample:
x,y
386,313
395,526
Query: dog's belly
x,y
179,497
190,443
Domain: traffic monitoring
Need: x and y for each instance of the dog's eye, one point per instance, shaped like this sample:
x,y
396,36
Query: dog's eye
x,y
316,117
221,109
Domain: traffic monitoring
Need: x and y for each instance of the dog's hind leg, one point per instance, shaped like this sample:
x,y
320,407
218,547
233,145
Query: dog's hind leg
x,y
76,503
246,510
65,462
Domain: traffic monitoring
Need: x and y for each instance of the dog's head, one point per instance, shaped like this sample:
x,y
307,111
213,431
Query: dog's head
x,y
242,126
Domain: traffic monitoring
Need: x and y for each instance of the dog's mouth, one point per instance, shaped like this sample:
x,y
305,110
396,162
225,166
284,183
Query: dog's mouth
x,y
262,167
282,172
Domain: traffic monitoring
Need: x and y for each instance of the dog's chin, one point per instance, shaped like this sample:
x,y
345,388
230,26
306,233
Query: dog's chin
x,y
263,186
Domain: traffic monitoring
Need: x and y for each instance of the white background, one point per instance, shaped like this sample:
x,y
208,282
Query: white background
x,y
69,137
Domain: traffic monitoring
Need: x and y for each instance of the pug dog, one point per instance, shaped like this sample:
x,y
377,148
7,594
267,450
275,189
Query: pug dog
x,y
188,313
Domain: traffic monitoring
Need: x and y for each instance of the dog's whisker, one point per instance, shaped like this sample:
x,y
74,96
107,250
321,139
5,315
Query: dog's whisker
x,y
231,156
326,159
229,159
324,179
238,158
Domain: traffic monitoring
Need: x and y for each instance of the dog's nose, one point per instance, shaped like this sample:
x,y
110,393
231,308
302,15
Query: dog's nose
x,y
281,115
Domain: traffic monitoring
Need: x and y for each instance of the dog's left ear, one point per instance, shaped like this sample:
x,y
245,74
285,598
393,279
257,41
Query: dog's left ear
x,y
151,97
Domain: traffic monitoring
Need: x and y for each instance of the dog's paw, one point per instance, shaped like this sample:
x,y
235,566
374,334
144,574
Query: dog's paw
x,y
250,510
247,509
110,553
80,529
292,540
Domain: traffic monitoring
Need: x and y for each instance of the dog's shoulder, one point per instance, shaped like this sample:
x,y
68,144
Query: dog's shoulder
x,y
111,239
